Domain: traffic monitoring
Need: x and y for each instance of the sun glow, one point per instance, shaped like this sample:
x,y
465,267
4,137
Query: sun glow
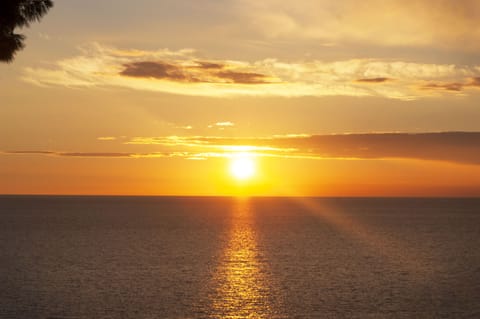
x,y
242,167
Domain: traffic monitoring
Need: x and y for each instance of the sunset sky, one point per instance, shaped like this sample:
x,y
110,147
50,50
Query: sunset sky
x,y
328,98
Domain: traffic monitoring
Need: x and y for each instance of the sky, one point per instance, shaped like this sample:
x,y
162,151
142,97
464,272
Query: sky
x,y
329,98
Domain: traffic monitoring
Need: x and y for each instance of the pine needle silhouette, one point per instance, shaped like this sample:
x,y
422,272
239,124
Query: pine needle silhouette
x,y
18,14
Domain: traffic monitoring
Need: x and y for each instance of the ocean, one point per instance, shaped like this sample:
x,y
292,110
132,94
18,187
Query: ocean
x,y
214,257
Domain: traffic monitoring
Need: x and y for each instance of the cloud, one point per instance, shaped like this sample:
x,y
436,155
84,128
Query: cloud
x,y
106,138
156,70
243,77
453,86
460,147
202,72
475,82
228,123
182,72
209,65
95,154
30,152
185,127
447,24
457,147
444,86
88,154
463,147
374,80
222,125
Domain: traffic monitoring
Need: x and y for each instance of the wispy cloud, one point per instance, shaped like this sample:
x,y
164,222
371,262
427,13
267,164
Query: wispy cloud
x,y
462,147
191,72
421,23
89,154
475,82
106,138
227,123
374,80
185,127
157,70
453,86
222,125
183,72
458,147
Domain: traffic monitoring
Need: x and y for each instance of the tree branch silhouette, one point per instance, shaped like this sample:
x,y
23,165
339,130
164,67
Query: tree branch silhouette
x,y
18,14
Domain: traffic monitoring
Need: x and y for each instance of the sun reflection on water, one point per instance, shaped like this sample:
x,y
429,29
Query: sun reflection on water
x,y
242,287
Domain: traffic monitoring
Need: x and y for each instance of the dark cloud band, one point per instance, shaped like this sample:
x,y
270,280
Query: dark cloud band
x,y
457,147
200,72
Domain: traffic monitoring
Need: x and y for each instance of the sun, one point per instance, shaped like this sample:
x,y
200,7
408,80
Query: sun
x,y
242,168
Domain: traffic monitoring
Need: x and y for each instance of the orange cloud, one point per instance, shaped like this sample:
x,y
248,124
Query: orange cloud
x,y
88,154
475,82
243,77
209,65
206,72
157,70
420,23
374,80
463,147
455,86
182,72
459,147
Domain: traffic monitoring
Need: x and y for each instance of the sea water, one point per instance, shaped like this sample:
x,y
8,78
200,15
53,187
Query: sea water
x,y
187,257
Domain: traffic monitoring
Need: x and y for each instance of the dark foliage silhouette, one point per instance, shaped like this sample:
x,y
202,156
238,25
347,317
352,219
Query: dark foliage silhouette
x,y
18,14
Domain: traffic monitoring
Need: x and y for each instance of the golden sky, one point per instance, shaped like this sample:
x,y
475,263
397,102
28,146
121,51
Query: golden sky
x,y
329,98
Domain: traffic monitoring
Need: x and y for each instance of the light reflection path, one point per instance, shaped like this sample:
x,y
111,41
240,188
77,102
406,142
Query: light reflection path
x,y
243,289
407,257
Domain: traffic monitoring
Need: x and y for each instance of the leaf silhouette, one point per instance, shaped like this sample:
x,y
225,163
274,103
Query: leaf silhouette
x,y
18,14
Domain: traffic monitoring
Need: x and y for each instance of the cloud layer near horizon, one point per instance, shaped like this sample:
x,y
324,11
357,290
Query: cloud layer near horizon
x,y
184,72
456,147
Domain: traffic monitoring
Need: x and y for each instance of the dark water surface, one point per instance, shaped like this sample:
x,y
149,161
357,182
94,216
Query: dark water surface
x,y
173,257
